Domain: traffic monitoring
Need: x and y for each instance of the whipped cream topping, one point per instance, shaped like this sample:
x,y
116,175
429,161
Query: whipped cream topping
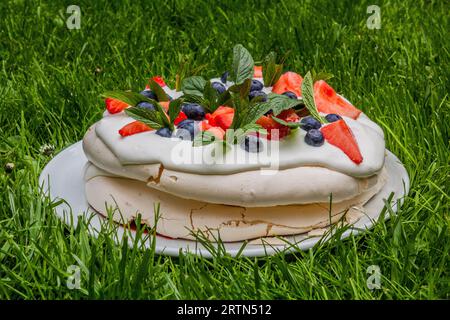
x,y
291,151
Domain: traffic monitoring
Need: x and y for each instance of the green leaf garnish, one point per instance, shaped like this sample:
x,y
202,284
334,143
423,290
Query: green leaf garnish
x,y
279,103
292,125
152,118
316,76
242,64
193,85
160,93
174,110
271,70
308,98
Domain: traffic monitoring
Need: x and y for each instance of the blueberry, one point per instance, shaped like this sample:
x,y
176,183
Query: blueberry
x,y
193,111
254,94
332,117
146,105
256,85
290,94
220,88
164,132
314,138
308,123
149,94
252,144
224,77
186,130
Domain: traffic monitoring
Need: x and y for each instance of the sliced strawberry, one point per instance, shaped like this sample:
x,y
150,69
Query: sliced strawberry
x,y
222,109
289,81
133,128
210,119
217,132
159,80
269,124
181,116
340,135
224,120
115,106
257,72
328,101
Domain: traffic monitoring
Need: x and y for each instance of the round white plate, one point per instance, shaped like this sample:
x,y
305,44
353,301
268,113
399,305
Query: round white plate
x,y
63,178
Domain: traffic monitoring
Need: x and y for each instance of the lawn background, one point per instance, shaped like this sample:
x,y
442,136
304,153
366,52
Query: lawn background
x,y
50,81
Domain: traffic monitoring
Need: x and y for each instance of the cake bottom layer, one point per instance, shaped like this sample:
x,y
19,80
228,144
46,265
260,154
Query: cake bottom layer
x,y
124,199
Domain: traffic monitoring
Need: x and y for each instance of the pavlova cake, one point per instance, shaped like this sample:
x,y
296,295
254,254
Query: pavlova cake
x,y
254,153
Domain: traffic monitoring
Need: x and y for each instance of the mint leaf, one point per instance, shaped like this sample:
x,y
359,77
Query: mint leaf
x,y
271,70
308,97
193,85
160,93
242,64
151,118
132,98
174,109
279,103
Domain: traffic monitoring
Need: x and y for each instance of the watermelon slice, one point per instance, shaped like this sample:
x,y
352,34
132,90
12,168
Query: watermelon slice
x,y
328,101
289,81
340,135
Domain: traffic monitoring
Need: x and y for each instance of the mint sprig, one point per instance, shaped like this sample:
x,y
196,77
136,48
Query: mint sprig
x,y
308,98
272,68
243,64
156,119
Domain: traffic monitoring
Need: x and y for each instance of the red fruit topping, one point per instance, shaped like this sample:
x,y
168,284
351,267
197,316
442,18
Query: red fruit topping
x,y
289,115
181,117
222,117
257,72
115,106
224,120
159,80
204,125
289,81
210,119
217,132
133,128
269,124
340,135
328,101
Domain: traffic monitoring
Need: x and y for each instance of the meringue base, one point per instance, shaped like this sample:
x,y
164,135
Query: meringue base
x,y
177,217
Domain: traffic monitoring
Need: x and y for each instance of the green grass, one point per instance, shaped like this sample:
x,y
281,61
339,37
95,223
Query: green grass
x,y
49,94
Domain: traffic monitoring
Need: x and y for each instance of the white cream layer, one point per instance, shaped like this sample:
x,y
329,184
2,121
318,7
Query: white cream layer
x,y
173,153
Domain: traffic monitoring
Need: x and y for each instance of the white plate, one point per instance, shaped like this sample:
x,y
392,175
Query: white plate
x,y
63,178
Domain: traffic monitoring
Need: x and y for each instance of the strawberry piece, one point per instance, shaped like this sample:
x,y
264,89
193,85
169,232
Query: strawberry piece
x,y
289,81
328,101
133,128
222,109
159,80
209,117
115,106
257,73
224,120
340,135
269,124
181,116
217,132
